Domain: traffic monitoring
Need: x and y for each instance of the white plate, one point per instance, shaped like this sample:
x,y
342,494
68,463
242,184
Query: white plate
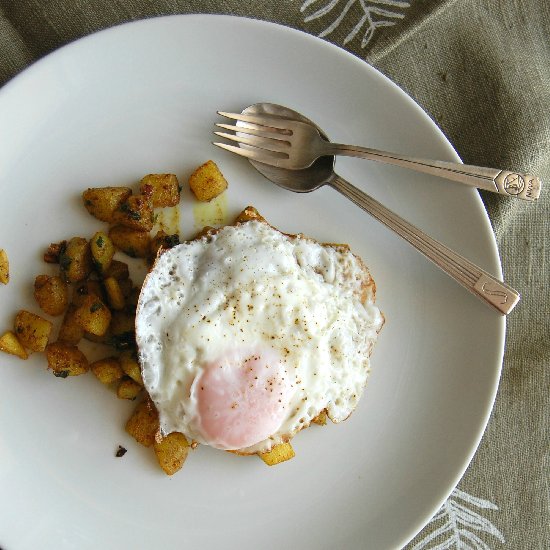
x,y
142,98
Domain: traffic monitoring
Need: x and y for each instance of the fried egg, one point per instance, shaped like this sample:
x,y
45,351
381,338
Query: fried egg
x,y
246,335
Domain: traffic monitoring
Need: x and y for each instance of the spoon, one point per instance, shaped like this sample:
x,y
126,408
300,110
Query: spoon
x,y
485,286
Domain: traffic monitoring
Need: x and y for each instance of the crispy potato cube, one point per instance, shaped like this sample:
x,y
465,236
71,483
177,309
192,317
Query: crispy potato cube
x,y
321,418
87,288
164,241
51,256
103,339
4,267
165,189
75,260
279,453
207,181
249,214
171,452
126,286
51,293
135,212
128,389
70,331
133,298
10,344
130,366
123,330
66,360
107,370
101,202
32,330
93,316
115,296
143,425
132,242
103,250
118,270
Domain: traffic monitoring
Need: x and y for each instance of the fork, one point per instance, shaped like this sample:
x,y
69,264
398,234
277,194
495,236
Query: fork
x,y
296,145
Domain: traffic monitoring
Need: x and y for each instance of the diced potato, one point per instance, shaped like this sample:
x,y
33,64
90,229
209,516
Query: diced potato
x,y
76,260
107,370
128,389
321,418
132,242
130,366
51,256
207,181
103,250
101,202
51,293
162,240
279,453
105,339
204,232
143,425
70,331
93,315
249,214
115,297
165,189
87,288
4,267
133,298
123,330
10,344
171,452
66,360
118,270
126,286
32,330
135,212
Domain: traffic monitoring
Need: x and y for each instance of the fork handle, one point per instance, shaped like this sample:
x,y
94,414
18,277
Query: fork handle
x,y
512,184
489,289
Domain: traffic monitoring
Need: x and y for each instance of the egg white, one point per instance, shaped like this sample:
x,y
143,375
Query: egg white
x,y
249,288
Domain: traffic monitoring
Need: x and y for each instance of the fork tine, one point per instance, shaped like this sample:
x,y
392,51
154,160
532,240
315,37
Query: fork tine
x,y
260,132
253,154
271,145
260,120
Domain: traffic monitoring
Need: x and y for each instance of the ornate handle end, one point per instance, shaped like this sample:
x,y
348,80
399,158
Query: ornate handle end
x,y
521,186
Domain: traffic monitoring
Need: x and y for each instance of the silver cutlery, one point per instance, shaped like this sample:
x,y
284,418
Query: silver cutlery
x,y
296,145
485,286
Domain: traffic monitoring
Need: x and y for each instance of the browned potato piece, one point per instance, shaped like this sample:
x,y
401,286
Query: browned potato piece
x,y
87,288
103,339
93,315
207,181
51,293
162,240
118,270
107,370
70,332
128,389
66,360
101,202
130,366
132,242
171,451
279,453
135,212
143,425
10,344
4,267
32,330
115,296
126,286
133,298
123,330
51,256
165,189
76,260
248,214
321,418
102,250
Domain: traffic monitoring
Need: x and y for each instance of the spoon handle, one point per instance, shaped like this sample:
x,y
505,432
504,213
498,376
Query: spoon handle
x,y
512,184
489,289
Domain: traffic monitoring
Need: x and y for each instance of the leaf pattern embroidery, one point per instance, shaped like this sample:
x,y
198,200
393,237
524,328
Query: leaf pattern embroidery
x,y
375,14
459,525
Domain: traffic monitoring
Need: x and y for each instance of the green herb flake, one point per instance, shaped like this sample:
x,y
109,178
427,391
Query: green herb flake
x,y
61,373
100,242
96,306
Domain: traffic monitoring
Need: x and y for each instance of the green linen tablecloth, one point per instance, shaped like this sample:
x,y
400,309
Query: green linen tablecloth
x,y
481,69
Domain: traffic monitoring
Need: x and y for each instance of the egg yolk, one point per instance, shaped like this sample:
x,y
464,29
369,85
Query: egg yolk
x,y
242,400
